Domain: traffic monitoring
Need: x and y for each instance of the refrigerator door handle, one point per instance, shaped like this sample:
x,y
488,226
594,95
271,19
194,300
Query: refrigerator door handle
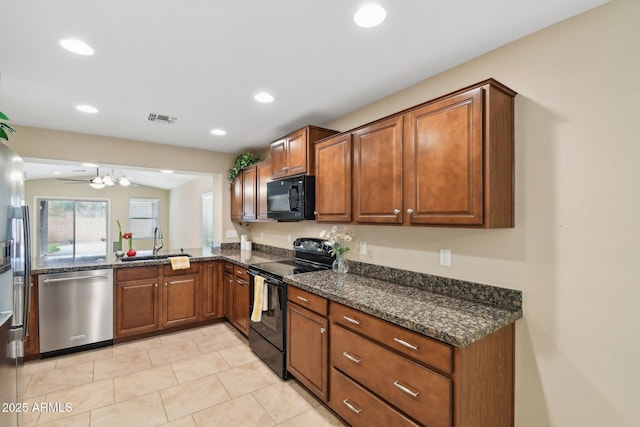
x,y
22,214
26,229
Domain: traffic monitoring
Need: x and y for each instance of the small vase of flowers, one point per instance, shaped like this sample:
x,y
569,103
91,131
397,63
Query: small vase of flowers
x,y
129,237
339,240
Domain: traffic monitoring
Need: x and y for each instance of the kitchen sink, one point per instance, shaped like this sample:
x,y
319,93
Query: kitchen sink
x,y
153,257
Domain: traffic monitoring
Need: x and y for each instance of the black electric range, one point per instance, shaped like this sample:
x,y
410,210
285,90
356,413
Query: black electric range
x,y
268,324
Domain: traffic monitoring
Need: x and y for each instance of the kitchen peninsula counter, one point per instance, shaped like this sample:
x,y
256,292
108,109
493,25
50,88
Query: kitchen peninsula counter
x,y
243,258
456,321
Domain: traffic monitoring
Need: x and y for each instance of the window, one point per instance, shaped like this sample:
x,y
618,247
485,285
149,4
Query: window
x,y
73,228
143,217
207,220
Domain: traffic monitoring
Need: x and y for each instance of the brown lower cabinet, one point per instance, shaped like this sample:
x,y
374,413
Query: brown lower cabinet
x,y
374,373
308,340
153,298
236,296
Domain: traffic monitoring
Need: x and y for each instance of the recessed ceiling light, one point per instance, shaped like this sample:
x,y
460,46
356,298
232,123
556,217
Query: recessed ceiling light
x,y
263,97
369,16
77,46
166,171
89,165
87,109
219,132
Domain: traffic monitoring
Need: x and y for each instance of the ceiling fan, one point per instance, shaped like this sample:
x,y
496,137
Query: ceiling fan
x,y
101,181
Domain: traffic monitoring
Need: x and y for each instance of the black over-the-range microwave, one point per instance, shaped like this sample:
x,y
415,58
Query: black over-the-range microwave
x,y
291,199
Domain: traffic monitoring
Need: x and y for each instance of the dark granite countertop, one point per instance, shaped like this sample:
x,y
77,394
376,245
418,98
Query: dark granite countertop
x,y
458,322
243,258
458,313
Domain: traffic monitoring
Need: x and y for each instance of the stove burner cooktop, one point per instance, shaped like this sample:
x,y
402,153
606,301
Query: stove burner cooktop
x,y
287,268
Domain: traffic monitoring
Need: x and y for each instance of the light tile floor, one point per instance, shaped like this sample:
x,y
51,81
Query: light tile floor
x,y
195,378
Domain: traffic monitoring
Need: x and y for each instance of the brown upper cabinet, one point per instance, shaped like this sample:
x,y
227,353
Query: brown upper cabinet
x,y
264,176
293,154
333,171
447,162
249,193
458,159
377,172
236,199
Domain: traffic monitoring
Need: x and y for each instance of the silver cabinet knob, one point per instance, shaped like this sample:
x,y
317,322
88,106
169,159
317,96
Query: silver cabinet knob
x,y
409,211
323,330
315,213
396,211
285,168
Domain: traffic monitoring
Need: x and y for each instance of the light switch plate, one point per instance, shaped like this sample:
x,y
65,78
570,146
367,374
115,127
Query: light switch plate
x,y
232,234
363,248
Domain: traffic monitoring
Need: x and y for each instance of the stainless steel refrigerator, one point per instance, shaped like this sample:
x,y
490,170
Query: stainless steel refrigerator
x,y
15,287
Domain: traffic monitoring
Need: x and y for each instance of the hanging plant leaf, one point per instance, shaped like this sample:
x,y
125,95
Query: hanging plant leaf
x,y
4,127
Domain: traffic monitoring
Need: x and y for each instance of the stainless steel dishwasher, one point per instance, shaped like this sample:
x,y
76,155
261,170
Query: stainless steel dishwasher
x,y
75,310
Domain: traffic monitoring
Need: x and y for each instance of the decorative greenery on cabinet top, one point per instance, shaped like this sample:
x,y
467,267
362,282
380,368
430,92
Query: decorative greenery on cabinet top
x,y
242,161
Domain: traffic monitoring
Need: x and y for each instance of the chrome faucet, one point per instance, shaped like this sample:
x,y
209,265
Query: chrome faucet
x,y
157,234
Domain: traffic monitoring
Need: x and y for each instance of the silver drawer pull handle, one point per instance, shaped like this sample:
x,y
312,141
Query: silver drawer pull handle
x,y
406,344
405,389
350,320
352,358
350,406
302,299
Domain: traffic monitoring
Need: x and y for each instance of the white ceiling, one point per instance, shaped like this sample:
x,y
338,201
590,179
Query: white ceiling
x,y
203,61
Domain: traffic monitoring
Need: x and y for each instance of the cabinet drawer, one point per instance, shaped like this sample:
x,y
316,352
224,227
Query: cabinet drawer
x,y
416,346
136,273
415,390
194,267
361,408
228,267
241,272
308,300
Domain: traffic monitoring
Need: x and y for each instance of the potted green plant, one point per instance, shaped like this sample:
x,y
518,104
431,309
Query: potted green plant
x,y
4,127
242,161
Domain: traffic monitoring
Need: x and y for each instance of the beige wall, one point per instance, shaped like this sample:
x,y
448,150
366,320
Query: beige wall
x,y
575,250
118,198
59,145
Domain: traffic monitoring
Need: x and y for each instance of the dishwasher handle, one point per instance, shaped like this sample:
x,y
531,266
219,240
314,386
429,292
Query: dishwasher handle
x,y
67,279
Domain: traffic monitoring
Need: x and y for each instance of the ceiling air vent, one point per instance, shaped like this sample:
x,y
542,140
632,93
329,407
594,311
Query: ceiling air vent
x,y
153,117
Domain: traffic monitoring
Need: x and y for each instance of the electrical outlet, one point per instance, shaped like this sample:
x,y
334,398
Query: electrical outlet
x,y
262,234
232,234
445,257
289,238
363,248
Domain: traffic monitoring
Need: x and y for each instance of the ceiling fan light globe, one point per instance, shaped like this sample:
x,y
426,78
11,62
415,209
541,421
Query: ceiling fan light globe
x,y
107,180
96,180
124,181
97,186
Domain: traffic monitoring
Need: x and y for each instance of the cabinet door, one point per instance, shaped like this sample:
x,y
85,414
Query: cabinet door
x,y
137,307
308,349
228,283
249,181
279,159
264,175
236,199
241,305
333,179
444,161
179,300
377,172
297,152
212,291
